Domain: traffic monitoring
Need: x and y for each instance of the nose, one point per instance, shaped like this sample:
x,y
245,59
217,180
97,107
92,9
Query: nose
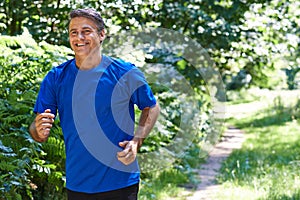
x,y
80,35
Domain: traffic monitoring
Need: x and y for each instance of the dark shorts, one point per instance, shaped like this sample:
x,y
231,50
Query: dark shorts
x,y
128,193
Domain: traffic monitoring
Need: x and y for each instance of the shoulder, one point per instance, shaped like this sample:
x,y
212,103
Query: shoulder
x,y
62,67
59,71
121,64
127,71
121,68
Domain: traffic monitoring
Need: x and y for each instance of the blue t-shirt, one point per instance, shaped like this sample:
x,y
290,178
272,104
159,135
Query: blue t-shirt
x,y
96,111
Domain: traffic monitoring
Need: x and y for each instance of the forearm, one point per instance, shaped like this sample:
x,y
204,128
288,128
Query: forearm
x,y
147,120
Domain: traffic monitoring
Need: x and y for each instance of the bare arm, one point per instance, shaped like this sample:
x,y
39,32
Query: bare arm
x,y
146,122
40,127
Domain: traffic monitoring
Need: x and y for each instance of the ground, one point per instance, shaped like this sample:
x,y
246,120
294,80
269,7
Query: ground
x,y
231,139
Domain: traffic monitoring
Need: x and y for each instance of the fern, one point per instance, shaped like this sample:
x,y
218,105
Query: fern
x,y
23,64
7,166
55,147
14,119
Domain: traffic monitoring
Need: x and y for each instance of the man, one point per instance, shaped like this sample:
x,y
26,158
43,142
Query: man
x,y
100,155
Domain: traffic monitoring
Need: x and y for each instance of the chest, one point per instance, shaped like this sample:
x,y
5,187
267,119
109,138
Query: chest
x,y
102,89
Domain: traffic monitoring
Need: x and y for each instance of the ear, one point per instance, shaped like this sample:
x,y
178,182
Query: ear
x,y
102,36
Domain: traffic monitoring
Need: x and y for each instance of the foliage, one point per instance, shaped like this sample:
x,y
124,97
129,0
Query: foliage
x,y
245,38
269,37
28,169
249,41
38,17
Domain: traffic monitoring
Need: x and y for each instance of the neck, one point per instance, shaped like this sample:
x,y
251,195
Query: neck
x,y
90,61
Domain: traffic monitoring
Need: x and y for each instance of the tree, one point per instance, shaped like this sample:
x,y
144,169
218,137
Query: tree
x,y
45,19
239,35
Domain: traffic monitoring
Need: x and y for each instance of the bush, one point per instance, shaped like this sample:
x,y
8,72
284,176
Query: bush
x,y
28,169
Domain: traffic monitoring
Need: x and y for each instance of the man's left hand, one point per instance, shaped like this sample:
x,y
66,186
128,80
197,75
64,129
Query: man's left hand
x,y
128,155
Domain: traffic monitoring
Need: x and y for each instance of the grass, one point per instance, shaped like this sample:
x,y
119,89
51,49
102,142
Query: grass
x,y
243,96
268,164
163,185
171,183
266,167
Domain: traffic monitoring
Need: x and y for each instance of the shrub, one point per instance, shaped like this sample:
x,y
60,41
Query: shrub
x,y
28,169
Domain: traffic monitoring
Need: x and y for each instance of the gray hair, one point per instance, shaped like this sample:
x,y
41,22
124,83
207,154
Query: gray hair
x,y
90,14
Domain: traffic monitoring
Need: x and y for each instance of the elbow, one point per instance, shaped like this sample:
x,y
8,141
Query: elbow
x,y
158,107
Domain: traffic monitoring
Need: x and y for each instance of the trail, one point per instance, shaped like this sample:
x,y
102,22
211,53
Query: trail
x,y
232,139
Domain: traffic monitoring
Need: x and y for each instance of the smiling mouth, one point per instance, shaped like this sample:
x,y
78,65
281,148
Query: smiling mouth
x,y
79,45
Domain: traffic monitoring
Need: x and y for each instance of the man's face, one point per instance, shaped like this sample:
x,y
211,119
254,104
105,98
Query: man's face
x,y
84,37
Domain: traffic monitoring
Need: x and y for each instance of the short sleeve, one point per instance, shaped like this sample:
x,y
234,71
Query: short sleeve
x,y
142,94
47,96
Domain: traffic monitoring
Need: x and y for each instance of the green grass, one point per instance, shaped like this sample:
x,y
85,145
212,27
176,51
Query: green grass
x,y
171,183
242,96
266,167
268,164
162,185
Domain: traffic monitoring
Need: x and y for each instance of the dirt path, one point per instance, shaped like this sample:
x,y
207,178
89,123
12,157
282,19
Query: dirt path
x,y
232,139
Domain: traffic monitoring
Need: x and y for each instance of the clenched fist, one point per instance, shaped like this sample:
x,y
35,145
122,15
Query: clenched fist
x,y
41,126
